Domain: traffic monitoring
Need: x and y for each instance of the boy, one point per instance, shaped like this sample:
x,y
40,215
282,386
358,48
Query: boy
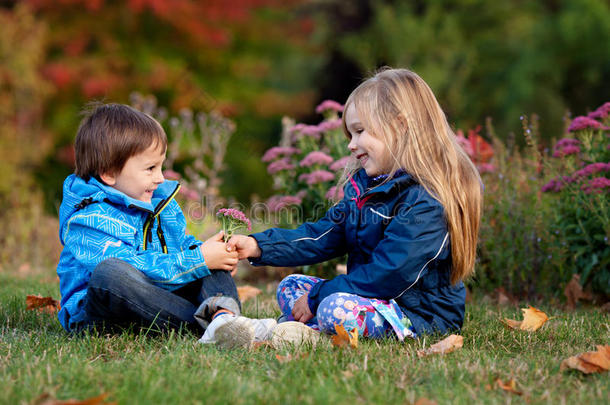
x,y
126,257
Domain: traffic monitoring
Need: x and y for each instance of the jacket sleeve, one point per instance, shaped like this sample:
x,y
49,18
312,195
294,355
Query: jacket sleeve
x,y
312,242
416,235
93,238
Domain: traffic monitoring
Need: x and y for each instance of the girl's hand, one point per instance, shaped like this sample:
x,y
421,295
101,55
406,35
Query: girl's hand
x,y
215,254
246,246
301,311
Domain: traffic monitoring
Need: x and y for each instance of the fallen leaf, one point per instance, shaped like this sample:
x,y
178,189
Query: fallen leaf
x,y
100,399
509,386
533,319
447,345
589,362
246,292
347,374
425,401
344,338
290,357
574,292
263,343
42,304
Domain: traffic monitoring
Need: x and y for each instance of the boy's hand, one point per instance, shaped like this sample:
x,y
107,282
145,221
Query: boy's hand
x,y
215,254
246,246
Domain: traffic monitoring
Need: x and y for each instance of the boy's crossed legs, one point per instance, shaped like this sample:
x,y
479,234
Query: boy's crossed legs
x,y
119,295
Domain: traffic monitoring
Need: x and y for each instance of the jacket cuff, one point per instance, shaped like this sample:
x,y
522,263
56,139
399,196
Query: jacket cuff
x,y
263,242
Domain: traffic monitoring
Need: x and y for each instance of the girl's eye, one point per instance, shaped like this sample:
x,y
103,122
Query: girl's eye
x,y
151,168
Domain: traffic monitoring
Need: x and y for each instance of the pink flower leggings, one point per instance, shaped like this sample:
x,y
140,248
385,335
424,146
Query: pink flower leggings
x,y
372,317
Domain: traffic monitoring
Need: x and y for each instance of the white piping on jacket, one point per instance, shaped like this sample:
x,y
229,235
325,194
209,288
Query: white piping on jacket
x,y
380,214
424,266
300,239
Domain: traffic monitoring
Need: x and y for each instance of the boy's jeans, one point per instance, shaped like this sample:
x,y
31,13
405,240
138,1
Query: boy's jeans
x,y
119,295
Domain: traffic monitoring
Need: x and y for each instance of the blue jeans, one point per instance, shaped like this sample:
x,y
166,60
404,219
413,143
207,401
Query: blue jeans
x,y
120,296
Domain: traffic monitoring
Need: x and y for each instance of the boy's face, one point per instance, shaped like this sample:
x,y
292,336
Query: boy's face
x,y
141,174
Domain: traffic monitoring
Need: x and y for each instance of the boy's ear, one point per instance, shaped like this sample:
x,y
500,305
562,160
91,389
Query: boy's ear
x,y
108,178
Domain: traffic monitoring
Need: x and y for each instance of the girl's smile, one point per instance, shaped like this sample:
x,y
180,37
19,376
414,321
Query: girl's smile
x,y
368,149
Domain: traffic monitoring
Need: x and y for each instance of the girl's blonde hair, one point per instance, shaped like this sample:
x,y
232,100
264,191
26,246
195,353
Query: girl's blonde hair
x,y
396,105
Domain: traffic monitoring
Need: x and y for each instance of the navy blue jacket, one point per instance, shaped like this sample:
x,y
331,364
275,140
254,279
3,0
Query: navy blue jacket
x,y
397,241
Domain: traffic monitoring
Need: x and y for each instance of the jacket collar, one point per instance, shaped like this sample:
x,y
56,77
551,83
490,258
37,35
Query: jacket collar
x,y
367,186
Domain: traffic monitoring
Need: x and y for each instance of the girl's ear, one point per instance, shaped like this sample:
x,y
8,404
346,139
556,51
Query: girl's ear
x,y
108,179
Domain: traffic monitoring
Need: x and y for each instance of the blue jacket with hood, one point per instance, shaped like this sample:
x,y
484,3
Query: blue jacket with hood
x,y
98,222
396,237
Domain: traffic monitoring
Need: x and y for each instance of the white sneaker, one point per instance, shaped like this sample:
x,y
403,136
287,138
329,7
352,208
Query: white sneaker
x,y
294,333
210,333
239,331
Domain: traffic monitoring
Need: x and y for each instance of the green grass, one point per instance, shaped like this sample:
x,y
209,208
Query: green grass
x,y
37,357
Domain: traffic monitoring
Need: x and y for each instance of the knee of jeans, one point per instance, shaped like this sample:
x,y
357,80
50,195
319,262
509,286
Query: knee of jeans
x,y
112,270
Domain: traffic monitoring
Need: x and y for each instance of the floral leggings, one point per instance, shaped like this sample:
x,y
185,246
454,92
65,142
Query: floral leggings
x,y
372,317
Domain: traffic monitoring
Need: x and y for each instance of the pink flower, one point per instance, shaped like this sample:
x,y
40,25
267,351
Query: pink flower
x,y
486,168
566,150
297,128
277,202
279,165
235,216
306,130
278,151
330,195
596,185
327,105
340,164
602,112
171,175
582,122
315,158
592,169
189,193
555,185
317,176
330,125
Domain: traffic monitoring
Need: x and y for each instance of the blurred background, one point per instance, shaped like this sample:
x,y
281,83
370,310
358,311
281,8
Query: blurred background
x,y
256,61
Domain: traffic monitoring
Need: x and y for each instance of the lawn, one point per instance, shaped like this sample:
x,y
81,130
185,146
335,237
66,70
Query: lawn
x,y
37,357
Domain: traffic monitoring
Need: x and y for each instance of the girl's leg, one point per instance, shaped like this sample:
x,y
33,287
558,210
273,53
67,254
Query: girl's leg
x,y
292,288
372,317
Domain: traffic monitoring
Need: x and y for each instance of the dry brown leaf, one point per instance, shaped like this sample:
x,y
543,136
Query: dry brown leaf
x,y
290,357
100,399
246,292
42,304
263,343
447,345
589,362
533,319
344,338
574,292
509,386
425,401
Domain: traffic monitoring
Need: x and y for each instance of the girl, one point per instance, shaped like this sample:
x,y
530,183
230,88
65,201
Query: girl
x,y
408,222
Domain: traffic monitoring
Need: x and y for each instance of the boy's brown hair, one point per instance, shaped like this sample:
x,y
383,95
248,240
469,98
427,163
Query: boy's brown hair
x,y
109,135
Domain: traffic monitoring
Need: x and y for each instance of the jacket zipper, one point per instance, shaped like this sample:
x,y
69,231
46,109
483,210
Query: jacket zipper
x,y
149,223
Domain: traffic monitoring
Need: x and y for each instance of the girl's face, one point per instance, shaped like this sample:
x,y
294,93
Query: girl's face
x,y
372,152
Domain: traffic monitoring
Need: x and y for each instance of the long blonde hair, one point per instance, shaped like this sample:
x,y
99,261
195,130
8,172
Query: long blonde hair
x,y
397,106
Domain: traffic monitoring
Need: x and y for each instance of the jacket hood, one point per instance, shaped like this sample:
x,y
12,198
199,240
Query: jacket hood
x,y
76,189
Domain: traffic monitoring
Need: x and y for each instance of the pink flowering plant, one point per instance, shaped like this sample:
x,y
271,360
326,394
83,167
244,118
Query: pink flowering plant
x,y
232,220
579,169
306,167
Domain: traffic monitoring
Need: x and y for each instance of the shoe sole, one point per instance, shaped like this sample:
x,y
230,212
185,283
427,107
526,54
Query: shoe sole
x,y
234,335
294,333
